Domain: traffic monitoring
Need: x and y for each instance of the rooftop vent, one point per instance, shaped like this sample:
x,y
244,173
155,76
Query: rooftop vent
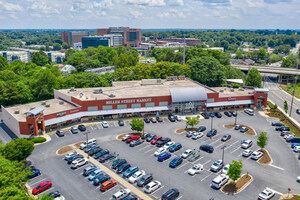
x,y
72,89
250,92
231,90
241,89
221,90
17,111
32,108
43,102
81,94
61,102
48,105
98,91
111,95
86,97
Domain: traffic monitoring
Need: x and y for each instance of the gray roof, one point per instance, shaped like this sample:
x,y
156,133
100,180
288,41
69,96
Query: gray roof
x,y
261,90
188,94
230,103
35,111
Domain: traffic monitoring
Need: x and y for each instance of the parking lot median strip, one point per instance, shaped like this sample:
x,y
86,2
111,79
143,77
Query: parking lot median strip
x,y
116,177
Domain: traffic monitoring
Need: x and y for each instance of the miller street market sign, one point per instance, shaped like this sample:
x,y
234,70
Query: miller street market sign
x,y
129,101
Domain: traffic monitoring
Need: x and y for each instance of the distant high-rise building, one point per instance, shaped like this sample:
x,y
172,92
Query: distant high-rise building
x,y
131,37
72,37
109,40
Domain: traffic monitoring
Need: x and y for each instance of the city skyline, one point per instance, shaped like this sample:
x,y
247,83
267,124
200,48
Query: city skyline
x,y
150,14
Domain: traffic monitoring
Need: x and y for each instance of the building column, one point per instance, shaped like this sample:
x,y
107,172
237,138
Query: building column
x,y
43,127
35,129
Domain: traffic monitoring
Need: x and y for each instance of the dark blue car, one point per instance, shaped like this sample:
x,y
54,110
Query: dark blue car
x,y
101,179
163,156
34,173
130,171
211,133
175,162
88,170
101,153
175,147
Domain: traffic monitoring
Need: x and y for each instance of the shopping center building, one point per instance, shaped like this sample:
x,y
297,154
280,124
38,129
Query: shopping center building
x,y
125,99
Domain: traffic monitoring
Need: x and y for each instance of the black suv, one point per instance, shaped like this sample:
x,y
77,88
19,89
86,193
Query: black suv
x,y
211,133
118,163
162,142
207,148
171,118
218,115
144,180
101,153
81,127
282,128
147,120
94,151
205,115
201,129
123,168
277,124
171,194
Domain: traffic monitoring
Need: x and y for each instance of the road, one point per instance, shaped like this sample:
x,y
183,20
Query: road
x,y
278,96
296,49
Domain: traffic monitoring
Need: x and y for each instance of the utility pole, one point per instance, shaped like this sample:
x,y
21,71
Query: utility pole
x,y
87,139
236,117
293,95
223,148
183,59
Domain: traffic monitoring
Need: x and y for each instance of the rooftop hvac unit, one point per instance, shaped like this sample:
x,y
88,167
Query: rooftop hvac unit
x,y
241,89
72,89
61,102
48,105
32,108
81,94
181,77
43,102
17,111
98,91
221,90
250,92
86,97
111,95
231,90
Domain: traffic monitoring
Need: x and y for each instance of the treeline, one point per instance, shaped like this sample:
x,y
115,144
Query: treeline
x,y
232,39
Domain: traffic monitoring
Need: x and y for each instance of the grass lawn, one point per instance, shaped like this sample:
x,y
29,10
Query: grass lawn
x,y
290,89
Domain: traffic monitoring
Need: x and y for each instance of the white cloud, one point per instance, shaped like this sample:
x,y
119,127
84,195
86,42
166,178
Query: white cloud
x,y
136,14
10,7
176,2
103,4
41,7
147,2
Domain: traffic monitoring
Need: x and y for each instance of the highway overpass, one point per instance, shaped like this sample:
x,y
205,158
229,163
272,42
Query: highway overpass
x,y
270,70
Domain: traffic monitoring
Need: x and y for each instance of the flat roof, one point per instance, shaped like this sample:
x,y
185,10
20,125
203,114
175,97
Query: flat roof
x,y
55,107
134,89
237,92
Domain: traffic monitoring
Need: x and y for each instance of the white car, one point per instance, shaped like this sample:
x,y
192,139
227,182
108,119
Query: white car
x,y
152,186
159,151
297,149
105,124
125,137
298,179
225,169
168,145
246,144
136,176
79,162
60,198
288,135
256,155
90,142
197,135
121,194
196,169
187,153
216,166
71,154
266,194
178,118
247,152
219,181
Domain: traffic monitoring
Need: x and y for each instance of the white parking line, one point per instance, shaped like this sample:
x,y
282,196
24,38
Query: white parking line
x,y
219,145
36,182
91,127
235,150
275,191
179,197
144,147
276,167
206,162
197,160
240,155
99,126
214,142
182,165
157,191
149,150
206,176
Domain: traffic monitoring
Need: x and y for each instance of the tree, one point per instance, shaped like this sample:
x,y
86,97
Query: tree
x,y
262,140
254,78
137,124
285,107
56,47
207,70
3,63
65,45
40,58
235,170
192,121
18,149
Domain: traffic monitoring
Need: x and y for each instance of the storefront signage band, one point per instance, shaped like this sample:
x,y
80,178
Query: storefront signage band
x,y
129,101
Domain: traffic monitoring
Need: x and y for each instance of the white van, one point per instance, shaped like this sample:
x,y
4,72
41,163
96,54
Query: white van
x,y
121,194
90,142
219,181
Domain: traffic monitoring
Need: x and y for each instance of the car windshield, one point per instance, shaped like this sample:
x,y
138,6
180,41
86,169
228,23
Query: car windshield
x,y
142,179
216,164
186,152
147,187
264,193
195,168
226,168
246,143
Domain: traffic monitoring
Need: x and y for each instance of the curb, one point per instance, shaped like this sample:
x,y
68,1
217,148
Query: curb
x,y
288,93
261,158
242,188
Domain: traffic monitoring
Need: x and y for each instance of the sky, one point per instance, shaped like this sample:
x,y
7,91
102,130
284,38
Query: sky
x,y
150,14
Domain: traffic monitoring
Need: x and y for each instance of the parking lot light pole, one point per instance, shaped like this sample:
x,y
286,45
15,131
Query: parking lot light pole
x,y
223,153
143,128
87,139
235,117
293,95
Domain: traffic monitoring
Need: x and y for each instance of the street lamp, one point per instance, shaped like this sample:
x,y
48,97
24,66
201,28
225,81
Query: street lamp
x,y
87,139
143,127
235,117
212,121
223,153
293,95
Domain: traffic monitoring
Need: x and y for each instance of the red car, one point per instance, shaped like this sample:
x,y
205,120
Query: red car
x,y
132,137
41,187
154,140
107,185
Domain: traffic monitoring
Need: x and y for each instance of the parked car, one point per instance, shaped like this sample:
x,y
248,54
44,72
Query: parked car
x,y
201,129
130,171
228,114
116,164
175,147
121,194
219,181
225,169
212,133
196,169
144,180
175,162
162,142
197,135
74,130
89,143
155,139
82,127
145,136
294,140
107,157
105,124
79,162
293,145
90,147
34,172
247,152
298,111
71,159
88,170
283,133
288,134
121,122
249,111
135,143
244,129
152,186
218,115
237,127
123,168
136,176
125,137
107,185
205,115
42,187
234,113
95,174
217,166
256,155
178,118
131,197
187,153
150,137
101,179
94,151
298,178
71,154
245,144
159,119
159,151
146,119
60,198
225,137
101,153
189,133
132,138
54,194
153,119
297,149
171,118
60,133
276,123
169,144
163,156
266,194
282,128
207,148
171,194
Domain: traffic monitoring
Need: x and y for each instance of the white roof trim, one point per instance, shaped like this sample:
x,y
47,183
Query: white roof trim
x,y
230,103
188,94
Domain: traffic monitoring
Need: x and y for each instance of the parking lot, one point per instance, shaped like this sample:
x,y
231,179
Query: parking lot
x,y
279,176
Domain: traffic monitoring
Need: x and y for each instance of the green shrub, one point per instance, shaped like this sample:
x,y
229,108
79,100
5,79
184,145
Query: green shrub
x,y
38,140
234,85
